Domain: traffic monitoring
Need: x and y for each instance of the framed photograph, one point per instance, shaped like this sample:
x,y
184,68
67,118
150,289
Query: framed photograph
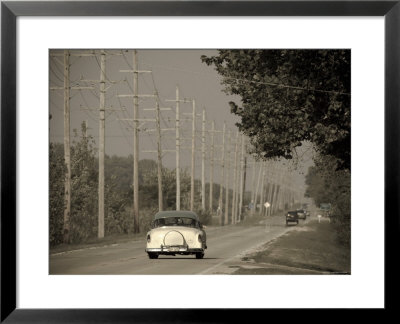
x,y
222,86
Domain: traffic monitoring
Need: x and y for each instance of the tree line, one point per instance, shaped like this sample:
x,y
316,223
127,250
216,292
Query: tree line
x,y
118,191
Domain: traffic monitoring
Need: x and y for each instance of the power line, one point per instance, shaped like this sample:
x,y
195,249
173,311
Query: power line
x,y
55,74
255,82
60,135
126,60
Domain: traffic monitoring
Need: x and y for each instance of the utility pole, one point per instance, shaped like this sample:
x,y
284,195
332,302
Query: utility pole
x,y
177,144
135,120
271,179
228,153
193,154
275,192
268,193
222,176
67,153
238,174
135,144
281,194
262,191
242,175
244,180
258,186
280,189
234,191
100,233
253,185
159,155
159,150
203,160
212,165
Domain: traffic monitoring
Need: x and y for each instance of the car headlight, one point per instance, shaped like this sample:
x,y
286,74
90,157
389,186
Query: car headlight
x,y
148,238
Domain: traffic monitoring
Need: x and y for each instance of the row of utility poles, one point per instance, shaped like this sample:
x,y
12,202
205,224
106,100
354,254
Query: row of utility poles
x,y
273,190
270,186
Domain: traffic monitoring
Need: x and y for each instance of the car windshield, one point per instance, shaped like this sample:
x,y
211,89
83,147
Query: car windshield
x,y
292,213
175,221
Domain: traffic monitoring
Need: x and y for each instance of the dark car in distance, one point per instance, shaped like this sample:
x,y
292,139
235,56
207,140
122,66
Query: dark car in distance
x,y
292,216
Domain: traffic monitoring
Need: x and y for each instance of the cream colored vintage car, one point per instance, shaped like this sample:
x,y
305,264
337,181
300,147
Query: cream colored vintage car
x,y
176,232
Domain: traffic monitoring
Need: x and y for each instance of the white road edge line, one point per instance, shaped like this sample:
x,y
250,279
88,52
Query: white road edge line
x,y
240,255
83,249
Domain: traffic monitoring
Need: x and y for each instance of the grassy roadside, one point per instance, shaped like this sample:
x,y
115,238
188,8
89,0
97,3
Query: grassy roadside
x,y
108,240
312,248
95,242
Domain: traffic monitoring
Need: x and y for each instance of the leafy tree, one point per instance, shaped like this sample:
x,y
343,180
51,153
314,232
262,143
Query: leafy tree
x,y
148,183
118,170
118,209
289,97
83,217
325,184
205,216
84,184
57,172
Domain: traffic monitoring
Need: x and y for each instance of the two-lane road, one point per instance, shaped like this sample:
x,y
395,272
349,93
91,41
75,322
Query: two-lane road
x,y
225,246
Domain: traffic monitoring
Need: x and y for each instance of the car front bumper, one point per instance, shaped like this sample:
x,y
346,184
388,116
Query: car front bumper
x,y
174,249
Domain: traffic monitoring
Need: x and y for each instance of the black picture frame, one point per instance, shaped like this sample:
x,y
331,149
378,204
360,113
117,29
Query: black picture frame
x,y
10,10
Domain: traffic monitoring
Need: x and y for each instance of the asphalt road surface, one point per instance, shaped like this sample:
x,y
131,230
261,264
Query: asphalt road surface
x,y
226,246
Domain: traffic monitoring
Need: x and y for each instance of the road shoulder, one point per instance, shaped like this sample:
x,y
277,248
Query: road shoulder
x,y
311,248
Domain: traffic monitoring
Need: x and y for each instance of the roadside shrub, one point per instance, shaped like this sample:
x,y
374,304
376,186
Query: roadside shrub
x,y
343,229
251,219
328,184
145,218
56,193
84,184
205,216
119,221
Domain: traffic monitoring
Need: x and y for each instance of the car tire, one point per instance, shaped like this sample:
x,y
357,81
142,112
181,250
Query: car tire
x,y
153,255
199,255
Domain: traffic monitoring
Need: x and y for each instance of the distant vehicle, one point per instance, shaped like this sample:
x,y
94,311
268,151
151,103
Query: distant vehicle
x,y
305,209
292,216
325,209
176,232
301,213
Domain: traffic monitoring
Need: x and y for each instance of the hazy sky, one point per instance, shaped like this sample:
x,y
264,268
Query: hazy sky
x,y
170,68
